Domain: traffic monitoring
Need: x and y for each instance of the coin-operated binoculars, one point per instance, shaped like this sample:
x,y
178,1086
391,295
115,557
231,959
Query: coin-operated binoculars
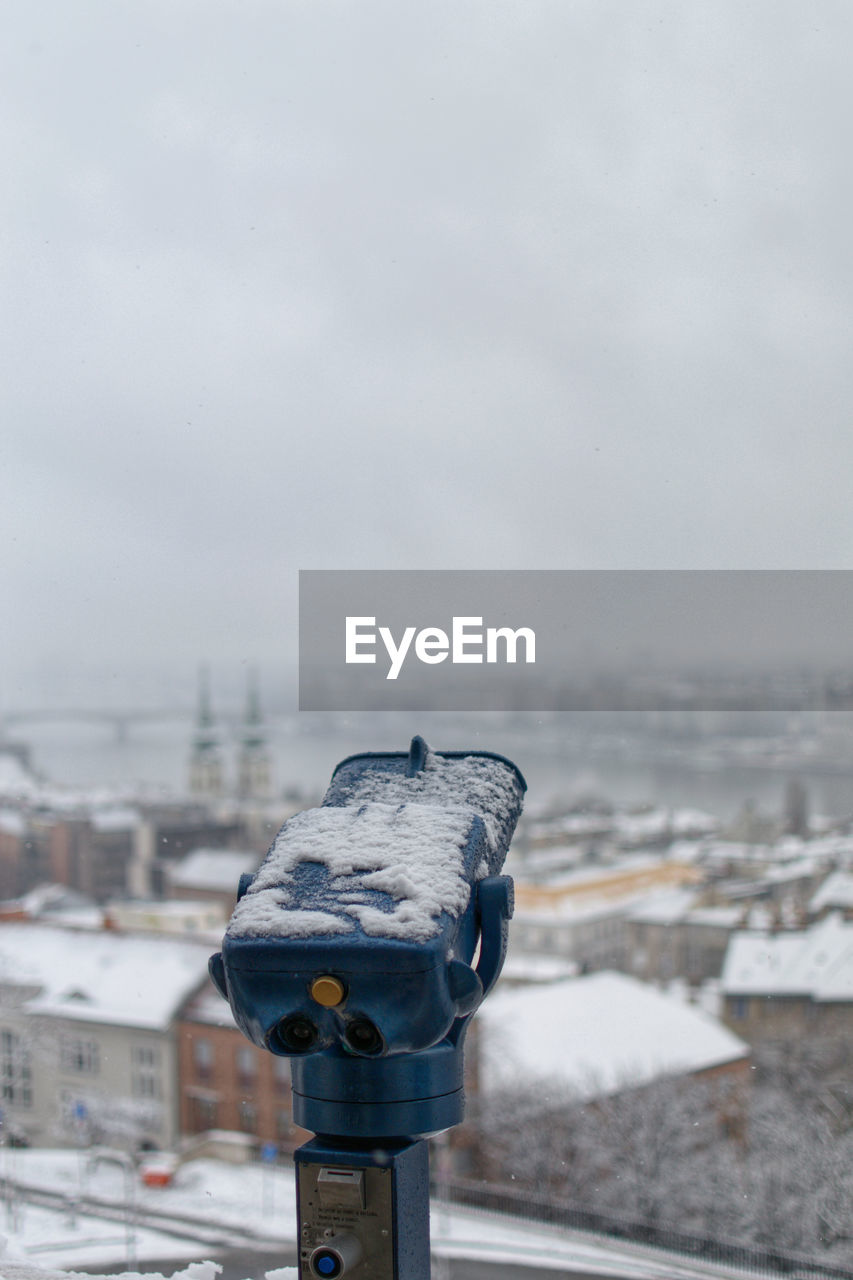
x,y
352,952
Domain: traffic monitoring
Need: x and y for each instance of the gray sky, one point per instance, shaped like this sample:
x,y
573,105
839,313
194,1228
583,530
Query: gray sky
x,y
461,285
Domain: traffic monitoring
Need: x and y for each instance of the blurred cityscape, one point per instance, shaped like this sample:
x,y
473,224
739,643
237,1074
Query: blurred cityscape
x,y
681,959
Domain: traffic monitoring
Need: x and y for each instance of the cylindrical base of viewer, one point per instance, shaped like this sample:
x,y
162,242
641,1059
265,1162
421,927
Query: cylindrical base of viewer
x,y
416,1094
363,1210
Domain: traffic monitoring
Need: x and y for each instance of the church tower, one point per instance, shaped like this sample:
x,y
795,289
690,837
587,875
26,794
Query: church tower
x,y
253,766
205,760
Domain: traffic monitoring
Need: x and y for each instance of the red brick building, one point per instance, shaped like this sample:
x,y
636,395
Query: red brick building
x,y
225,1082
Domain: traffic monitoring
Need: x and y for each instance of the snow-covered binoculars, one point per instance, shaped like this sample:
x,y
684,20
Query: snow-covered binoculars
x,y
353,949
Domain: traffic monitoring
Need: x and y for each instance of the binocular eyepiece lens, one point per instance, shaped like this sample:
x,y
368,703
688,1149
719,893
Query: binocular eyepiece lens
x,y
297,1033
362,1037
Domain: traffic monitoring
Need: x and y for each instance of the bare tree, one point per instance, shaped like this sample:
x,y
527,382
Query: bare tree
x,y
773,1169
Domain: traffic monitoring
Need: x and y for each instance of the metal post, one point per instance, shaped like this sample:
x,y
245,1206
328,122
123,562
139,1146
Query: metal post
x,y
363,1211
369,989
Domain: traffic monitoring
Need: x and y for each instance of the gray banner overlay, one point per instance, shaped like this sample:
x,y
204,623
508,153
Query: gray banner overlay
x,y
575,639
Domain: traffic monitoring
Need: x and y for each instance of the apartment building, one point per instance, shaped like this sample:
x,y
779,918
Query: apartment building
x,y
88,1048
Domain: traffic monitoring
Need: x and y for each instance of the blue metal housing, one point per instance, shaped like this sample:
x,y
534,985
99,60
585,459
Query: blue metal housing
x,y
408,1166
416,996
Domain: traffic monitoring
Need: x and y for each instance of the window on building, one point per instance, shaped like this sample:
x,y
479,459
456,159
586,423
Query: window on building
x,y
204,1115
281,1074
246,1066
563,943
248,1117
203,1058
283,1124
145,1071
80,1056
16,1080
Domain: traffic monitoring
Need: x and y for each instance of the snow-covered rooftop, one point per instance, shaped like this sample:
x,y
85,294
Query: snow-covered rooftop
x,y
61,906
107,806
794,869
598,892
677,906
836,891
815,962
832,847
50,897
12,822
522,967
209,1007
212,869
597,1035
115,818
17,782
693,821
737,851
718,917
101,976
639,828
667,907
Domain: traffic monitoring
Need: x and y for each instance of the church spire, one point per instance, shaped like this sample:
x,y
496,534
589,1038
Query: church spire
x,y
254,765
205,760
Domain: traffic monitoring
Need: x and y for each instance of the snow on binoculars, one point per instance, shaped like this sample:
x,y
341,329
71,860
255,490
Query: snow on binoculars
x,y
353,946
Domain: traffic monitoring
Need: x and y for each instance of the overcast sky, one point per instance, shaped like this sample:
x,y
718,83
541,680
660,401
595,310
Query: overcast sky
x,y
381,285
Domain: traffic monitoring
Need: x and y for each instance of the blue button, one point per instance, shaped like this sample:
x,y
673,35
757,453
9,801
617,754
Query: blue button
x,y
326,1264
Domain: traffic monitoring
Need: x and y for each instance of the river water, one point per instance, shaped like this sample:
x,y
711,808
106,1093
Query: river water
x,y
717,771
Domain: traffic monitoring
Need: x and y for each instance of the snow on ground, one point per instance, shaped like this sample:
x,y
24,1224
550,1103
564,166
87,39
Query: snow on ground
x,y
251,1200
460,1233
194,1271
260,1201
255,1199
51,1238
